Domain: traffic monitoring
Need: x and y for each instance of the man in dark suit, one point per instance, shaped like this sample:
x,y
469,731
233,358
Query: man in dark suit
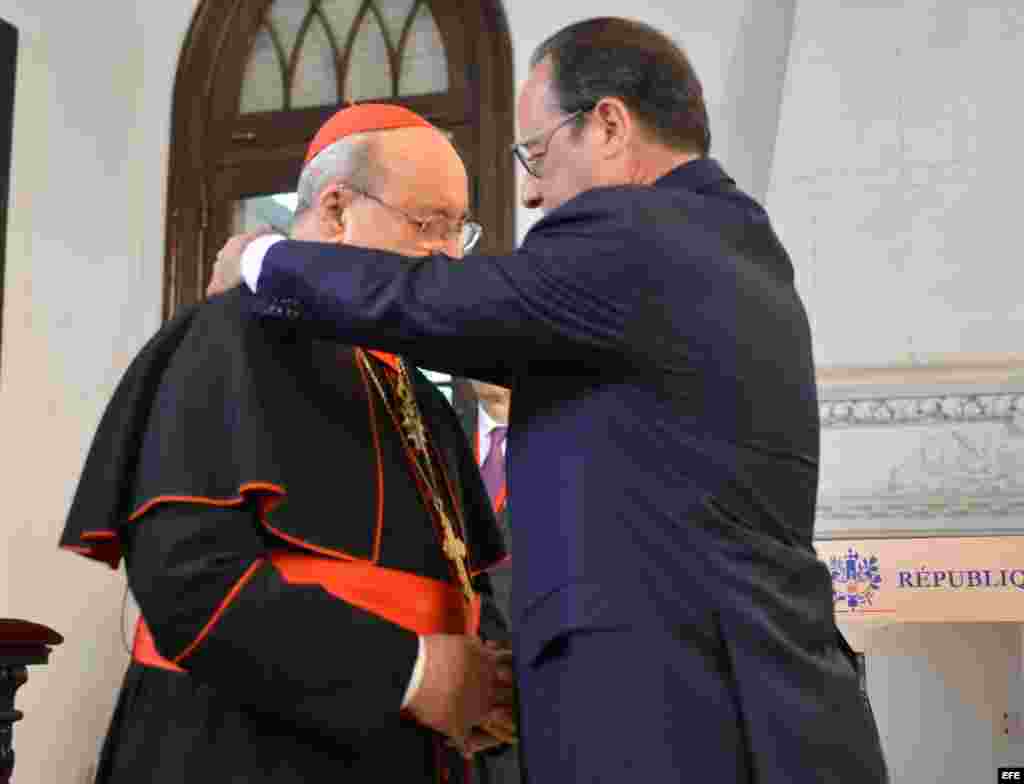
x,y
672,619
486,425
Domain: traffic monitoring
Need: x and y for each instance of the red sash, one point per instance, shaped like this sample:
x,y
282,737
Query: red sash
x,y
419,604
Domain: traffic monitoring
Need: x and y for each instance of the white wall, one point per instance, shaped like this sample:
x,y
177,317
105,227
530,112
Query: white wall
x,y
895,178
82,291
738,48
939,692
893,186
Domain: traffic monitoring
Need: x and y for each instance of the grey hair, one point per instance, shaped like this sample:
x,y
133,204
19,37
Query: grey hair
x,y
350,159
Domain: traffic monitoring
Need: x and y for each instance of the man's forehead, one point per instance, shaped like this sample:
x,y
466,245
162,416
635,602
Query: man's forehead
x,y
425,195
537,103
449,208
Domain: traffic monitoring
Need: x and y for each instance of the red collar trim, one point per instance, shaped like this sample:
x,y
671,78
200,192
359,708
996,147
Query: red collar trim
x,y
388,359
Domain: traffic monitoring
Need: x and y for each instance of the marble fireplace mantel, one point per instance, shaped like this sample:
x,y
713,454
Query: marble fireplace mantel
x,y
931,450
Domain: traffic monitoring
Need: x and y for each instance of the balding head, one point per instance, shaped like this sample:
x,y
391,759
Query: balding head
x,y
368,189
420,164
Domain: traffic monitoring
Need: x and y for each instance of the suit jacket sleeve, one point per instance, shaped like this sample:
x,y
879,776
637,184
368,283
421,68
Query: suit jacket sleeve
x,y
561,304
223,613
493,623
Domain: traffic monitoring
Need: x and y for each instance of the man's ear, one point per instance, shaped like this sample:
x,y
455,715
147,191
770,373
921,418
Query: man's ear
x,y
332,206
615,124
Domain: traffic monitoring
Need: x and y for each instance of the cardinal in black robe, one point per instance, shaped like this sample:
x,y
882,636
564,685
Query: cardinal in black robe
x,y
285,525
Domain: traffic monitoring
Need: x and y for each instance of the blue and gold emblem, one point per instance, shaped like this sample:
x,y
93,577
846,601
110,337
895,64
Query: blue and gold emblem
x,y
855,579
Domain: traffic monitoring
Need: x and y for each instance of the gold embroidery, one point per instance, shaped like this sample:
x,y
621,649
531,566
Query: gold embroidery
x,y
414,431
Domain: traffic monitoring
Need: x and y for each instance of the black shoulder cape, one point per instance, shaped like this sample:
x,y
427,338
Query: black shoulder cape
x,y
223,405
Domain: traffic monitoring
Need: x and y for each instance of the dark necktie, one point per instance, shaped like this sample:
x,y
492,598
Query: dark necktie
x,y
493,469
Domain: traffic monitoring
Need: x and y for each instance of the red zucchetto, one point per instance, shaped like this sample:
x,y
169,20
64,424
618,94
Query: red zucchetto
x,y
361,119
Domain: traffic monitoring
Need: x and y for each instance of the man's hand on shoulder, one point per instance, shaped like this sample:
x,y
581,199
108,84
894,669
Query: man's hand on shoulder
x,y
465,683
227,271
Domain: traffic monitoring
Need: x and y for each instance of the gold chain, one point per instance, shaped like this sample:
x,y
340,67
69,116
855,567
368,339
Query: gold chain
x,y
411,422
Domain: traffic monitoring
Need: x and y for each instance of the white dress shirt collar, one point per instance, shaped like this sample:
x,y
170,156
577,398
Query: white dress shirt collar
x,y
485,423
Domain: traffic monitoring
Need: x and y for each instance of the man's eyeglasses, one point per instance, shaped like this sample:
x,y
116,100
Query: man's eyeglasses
x,y
534,164
436,228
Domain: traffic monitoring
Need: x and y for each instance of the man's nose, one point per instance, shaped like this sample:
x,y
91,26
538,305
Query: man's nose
x,y
530,192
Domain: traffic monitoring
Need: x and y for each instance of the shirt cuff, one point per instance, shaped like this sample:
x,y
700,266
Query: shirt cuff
x,y
417,675
252,258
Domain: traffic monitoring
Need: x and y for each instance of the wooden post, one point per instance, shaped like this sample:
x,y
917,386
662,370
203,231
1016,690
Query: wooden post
x,y
21,644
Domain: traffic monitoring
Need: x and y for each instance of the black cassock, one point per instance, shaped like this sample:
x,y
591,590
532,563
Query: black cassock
x,y
228,439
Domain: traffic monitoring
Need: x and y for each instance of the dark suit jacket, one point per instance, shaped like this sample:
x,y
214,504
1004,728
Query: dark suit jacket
x,y
665,424
501,575
500,766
